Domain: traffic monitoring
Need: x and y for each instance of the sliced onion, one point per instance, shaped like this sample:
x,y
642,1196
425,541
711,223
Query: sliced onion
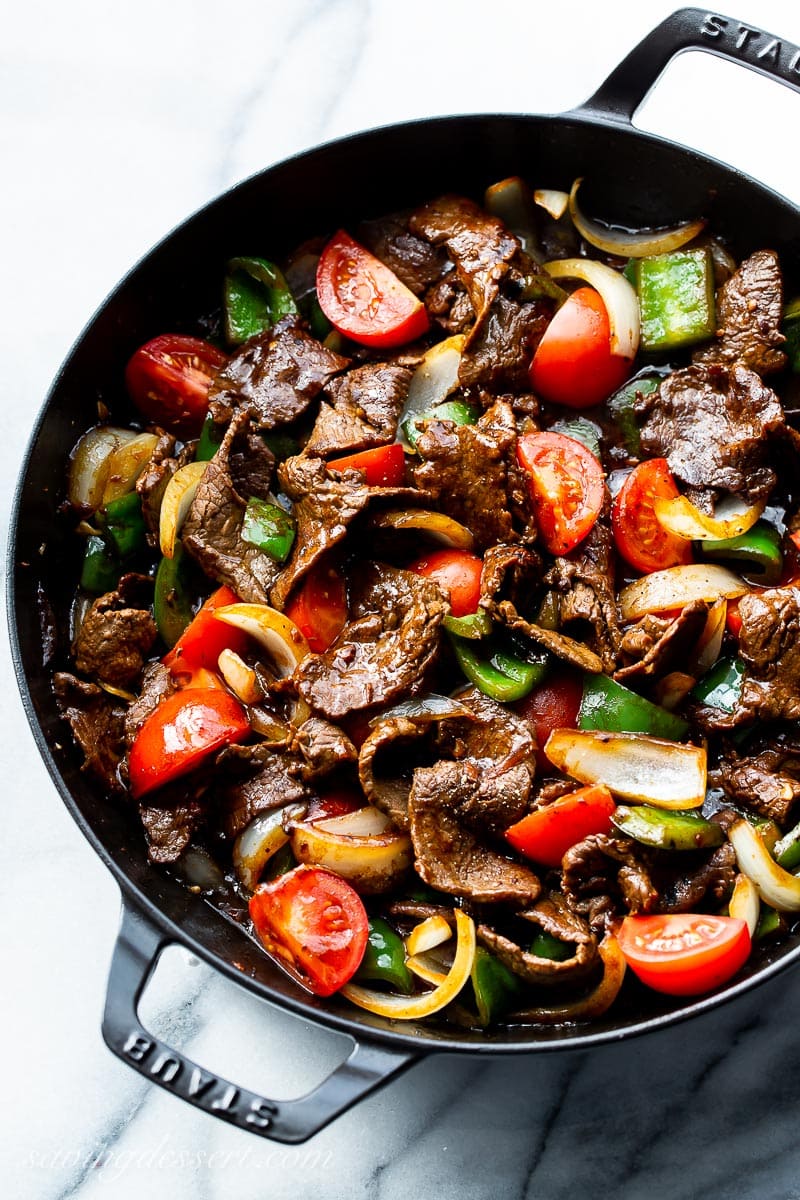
x,y
775,886
596,1003
176,502
510,200
90,464
673,689
422,520
709,644
634,765
279,636
126,464
428,934
745,903
617,294
256,844
732,517
627,244
412,1008
425,708
432,382
425,968
678,586
371,863
241,679
552,201
361,822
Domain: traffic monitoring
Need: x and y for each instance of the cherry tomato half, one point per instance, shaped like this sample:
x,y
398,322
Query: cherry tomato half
x,y
201,643
383,466
319,607
457,573
546,834
639,536
573,363
184,729
554,704
168,380
684,954
314,924
567,487
364,299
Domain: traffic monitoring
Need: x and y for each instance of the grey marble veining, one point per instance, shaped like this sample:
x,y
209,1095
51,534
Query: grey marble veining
x,y
118,121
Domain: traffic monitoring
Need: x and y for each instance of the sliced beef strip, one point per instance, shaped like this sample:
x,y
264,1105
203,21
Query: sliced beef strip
x,y
97,723
360,409
655,645
769,646
169,828
498,354
157,684
749,315
566,648
552,915
117,634
212,531
387,760
496,739
275,375
766,780
464,468
414,261
509,572
603,876
324,748
533,969
256,779
684,889
585,581
385,648
443,803
447,302
713,423
153,480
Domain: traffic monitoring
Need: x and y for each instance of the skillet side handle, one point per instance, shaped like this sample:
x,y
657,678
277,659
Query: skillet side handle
x,y
135,955
690,29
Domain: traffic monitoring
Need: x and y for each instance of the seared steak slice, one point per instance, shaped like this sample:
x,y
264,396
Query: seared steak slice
x,y
749,315
324,748
769,645
585,581
97,723
767,780
414,261
712,423
169,828
446,802
360,409
603,876
496,739
383,651
255,779
275,375
655,645
117,634
498,354
157,684
536,970
711,882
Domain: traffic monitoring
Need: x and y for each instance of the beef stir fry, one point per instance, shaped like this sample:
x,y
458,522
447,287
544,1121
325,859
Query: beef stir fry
x,y
444,608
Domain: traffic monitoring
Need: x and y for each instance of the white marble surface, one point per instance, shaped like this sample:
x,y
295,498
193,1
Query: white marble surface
x,y
117,121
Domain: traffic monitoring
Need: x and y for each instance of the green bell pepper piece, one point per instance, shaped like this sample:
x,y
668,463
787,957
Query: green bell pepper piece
x,y
621,408
608,705
279,863
791,331
457,411
172,606
256,297
384,959
269,527
770,923
318,323
758,552
496,988
545,945
668,830
582,430
123,525
498,673
721,687
282,445
676,298
210,439
101,568
473,625
787,850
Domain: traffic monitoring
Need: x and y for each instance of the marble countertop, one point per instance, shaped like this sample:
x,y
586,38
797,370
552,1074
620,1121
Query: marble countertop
x,y
118,120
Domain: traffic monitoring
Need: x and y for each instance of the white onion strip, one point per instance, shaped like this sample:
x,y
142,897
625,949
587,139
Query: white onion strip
x,y
677,586
617,294
634,765
775,886
596,1003
732,517
628,244
176,502
552,201
745,902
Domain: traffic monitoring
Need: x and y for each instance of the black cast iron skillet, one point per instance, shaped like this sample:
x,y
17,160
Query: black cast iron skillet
x,y
631,177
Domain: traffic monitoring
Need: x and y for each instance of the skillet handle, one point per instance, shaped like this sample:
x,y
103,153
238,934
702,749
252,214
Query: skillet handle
x,y
690,29
136,953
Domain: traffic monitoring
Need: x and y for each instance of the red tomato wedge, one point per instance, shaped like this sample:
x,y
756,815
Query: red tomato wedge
x,y
684,954
184,729
458,573
314,924
554,704
168,380
383,466
364,299
546,834
319,607
201,643
639,536
573,363
567,487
